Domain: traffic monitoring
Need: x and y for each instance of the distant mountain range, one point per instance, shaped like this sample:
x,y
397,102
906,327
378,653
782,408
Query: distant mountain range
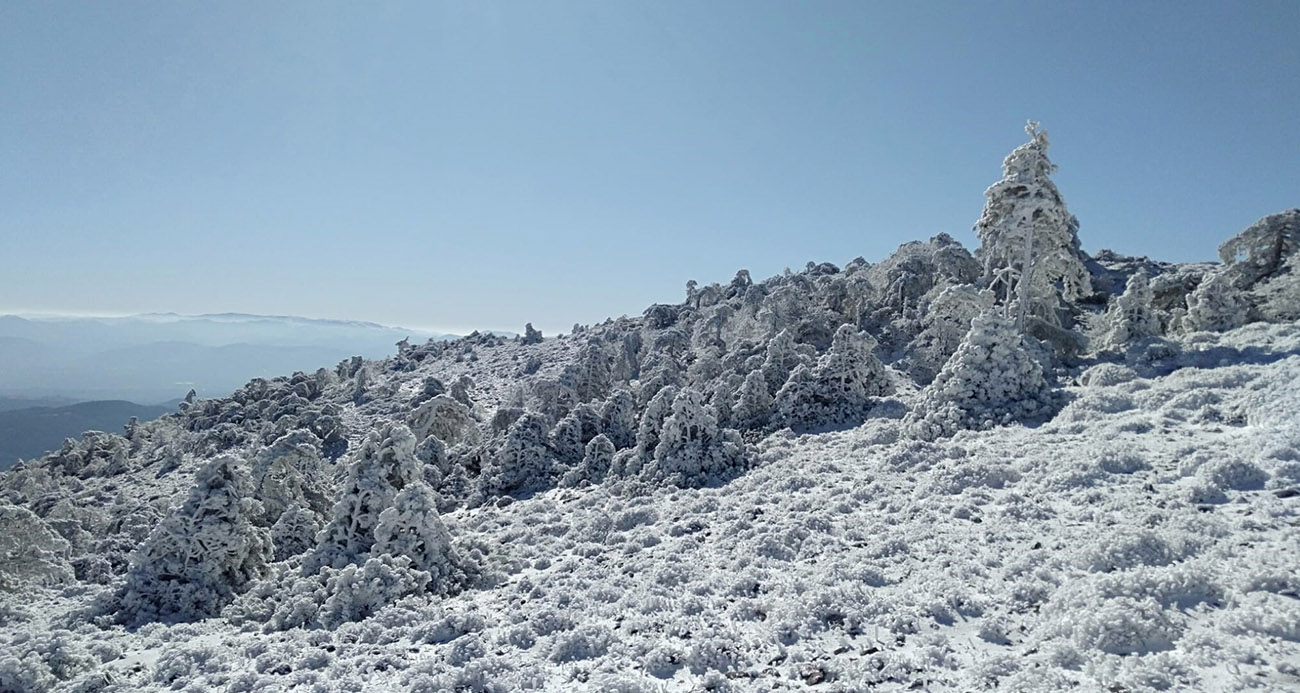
x,y
160,356
30,433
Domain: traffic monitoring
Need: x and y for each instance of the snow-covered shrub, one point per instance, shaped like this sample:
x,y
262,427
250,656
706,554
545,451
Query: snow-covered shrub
x,y
446,418
1122,549
413,528
692,450
1122,626
1130,316
567,442
1217,305
30,552
531,335
1232,474
990,381
294,533
753,406
1029,242
524,462
1107,374
946,321
203,553
383,466
290,472
618,418
596,461
782,357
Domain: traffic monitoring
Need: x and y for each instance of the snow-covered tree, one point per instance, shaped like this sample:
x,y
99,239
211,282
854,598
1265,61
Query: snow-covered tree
x,y
595,463
1217,305
413,528
294,532
203,553
783,356
945,323
692,450
838,389
990,381
30,552
1131,316
753,407
289,472
447,418
383,466
1029,242
618,418
652,420
524,461
531,335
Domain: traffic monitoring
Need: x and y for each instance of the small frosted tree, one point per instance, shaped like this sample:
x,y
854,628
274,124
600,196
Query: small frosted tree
x,y
1029,242
524,461
413,528
203,553
1216,305
990,381
945,323
383,466
294,532
753,408
652,420
692,450
783,356
1132,315
618,418
289,472
30,552
839,389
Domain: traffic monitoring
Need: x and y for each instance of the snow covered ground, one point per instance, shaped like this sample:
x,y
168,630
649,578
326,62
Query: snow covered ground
x,y
1146,538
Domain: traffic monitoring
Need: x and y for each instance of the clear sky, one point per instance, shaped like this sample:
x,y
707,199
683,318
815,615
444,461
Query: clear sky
x,y
479,164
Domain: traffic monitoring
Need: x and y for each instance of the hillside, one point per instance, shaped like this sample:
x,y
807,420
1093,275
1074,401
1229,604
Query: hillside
x,y
940,471
31,432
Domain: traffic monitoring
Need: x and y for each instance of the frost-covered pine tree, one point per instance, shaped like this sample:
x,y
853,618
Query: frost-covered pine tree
x,y
524,461
294,533
753,408
31,553
289,472
1131,316
796,404
839,389
595,463
383,466
783,356
447,418
1216,305
692,450
945,323
566,440
990,381
413,528
203,553
1029,242
652,420
849,373
618,418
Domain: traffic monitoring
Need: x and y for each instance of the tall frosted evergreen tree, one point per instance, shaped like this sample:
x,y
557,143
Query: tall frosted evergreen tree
x,y
1029,241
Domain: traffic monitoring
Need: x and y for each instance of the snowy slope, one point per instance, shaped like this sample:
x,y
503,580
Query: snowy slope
x,y
1143,535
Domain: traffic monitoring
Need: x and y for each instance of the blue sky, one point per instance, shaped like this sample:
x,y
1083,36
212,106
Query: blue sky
x,y
462,165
